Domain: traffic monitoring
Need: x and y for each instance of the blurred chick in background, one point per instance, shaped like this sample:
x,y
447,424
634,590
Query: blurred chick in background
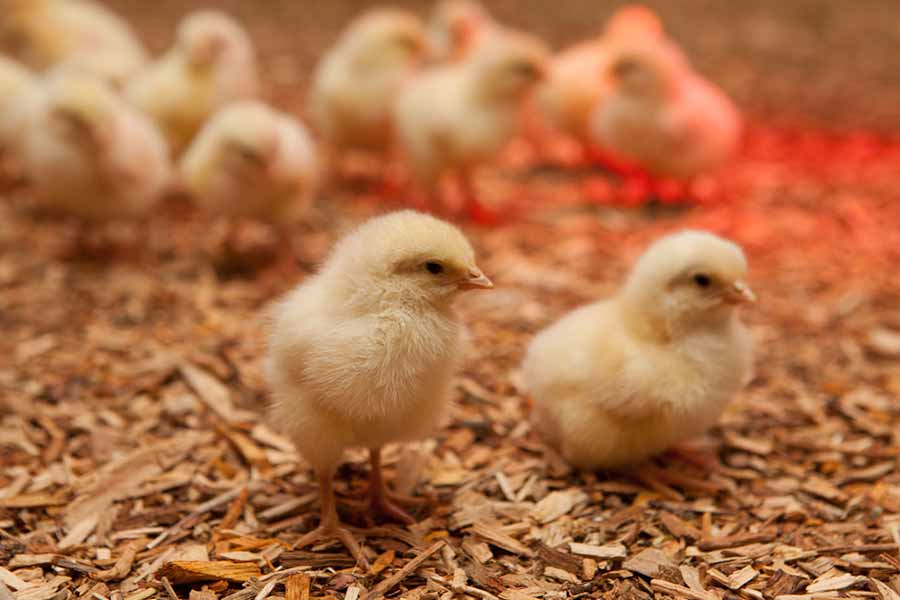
x,y
452,118
17,95
363,353
357,80
211,64
251,160
45,33
578,78
619,381
455,29
659,114
90,155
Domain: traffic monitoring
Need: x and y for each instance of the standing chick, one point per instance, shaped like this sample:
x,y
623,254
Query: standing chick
x,y
17,89
456,28
211,64
660,115
46,33
251,160
357,81
363,353
454,117
89,154
618,381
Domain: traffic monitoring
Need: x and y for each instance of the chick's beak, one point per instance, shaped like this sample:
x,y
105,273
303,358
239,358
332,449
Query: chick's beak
x,y
740,293
476,280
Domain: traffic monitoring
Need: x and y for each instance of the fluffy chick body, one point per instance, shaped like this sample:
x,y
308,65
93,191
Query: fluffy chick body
x,y
211,65
660,114
253,161
458,115
46,33
619,381
355,84
362,354
91,155
17,89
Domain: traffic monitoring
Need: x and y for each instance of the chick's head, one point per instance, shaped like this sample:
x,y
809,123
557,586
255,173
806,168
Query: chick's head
x,y
632,20
204,37
647,67
408,256
509,64
455,27
687,281
387,37
81,107
250,140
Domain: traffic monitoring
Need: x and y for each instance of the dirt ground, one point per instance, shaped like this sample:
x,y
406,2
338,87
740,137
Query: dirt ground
x,y
137,463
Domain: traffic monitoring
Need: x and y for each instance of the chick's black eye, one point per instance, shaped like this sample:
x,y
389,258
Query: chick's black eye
x,y
435,268
702,280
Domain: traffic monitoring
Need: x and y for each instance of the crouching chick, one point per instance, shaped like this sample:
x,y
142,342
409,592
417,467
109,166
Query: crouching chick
x,y
619,381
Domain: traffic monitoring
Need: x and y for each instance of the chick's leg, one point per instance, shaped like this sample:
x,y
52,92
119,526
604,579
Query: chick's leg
x,y
329,524
379,498
474,209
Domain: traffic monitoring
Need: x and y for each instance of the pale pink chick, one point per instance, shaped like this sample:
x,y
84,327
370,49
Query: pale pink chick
x,y
659,114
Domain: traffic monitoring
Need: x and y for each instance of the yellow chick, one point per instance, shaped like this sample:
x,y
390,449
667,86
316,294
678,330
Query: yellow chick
x,y
251,160
211,64
89,154
616,382
363,353
17,89
456,28
578,77
453,117
659,114
356,82
46,33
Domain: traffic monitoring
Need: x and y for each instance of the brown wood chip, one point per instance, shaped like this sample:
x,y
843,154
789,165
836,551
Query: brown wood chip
x,y
660,585
124,563
495,537
649,562
607,551
405,571
188,571
297,587
734,541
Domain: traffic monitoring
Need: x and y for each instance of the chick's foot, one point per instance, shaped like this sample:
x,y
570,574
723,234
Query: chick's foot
x,y
330,526
334,531
702,457
380,501
381,504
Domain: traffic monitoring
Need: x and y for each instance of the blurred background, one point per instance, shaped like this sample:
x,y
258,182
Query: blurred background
x,y
829,64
